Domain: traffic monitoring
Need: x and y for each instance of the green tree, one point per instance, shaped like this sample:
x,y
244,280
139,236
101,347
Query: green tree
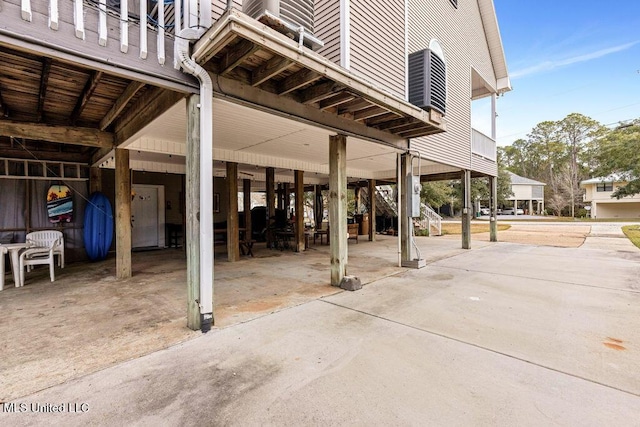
x,y
576,132
618,152
436,193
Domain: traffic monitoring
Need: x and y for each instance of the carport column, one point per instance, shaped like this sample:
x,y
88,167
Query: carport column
x,y
271,200
530,206
192,195
233,244
338,207
493,207
246,192
123,214
466,209
405,222
299,210
372,210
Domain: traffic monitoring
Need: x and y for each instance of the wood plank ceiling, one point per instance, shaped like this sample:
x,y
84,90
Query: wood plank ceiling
x,y
62,112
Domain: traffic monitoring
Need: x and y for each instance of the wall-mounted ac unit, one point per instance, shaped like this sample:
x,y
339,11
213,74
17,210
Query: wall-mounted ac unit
x,y
428,81
292,17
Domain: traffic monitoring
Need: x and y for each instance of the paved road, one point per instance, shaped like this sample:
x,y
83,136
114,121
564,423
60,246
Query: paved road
x,y
504,334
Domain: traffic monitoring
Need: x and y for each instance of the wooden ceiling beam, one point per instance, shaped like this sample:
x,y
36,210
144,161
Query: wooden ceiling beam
x,y
87,92
355,105
336,100
297,80
395,123
120,104
4,108
143,111
236,56
269,69
368,113
414,133
44,82
381,119
320,92
87,137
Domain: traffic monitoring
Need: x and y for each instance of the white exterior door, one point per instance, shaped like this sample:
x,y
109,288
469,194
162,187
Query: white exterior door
x,y
147,220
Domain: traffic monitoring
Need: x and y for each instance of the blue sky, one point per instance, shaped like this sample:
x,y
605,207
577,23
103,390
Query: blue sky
x,y
564,57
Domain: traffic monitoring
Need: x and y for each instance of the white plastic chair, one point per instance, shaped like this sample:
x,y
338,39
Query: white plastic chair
x,y
39,256
43,239
3,252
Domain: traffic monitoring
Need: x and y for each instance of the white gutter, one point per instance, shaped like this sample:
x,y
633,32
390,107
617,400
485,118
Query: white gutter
x,y
206,173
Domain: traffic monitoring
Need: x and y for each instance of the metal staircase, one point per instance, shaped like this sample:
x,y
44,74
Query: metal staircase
x,y
386,206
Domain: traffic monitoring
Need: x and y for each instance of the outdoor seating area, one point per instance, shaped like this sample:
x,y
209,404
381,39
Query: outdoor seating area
x,y
40,248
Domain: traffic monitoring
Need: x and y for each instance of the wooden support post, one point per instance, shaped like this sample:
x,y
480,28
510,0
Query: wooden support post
x,y
318,208
493,208
192,194
233,243
406,224
299,211
123,214
372,210
246,191
271,201
280,197
465,181
338,207
95,180
286,190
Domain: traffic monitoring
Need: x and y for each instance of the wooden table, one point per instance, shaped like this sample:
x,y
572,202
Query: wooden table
x,y
14,252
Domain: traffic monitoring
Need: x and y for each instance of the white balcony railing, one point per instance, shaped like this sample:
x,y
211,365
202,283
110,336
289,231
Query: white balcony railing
x,y
482,145
143,20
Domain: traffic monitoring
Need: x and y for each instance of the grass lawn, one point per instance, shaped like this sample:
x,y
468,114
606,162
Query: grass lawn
x,y
456,228
633,233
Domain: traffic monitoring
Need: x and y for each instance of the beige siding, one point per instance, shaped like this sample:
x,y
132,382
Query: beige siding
x,y
461,35
378,43
218,7
617,210
327,28
480,164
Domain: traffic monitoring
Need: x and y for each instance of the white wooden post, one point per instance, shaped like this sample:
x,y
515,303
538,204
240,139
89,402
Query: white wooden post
x,y
102,23
161,53
26,10
143,30
53,14
124,26
205,14
78,18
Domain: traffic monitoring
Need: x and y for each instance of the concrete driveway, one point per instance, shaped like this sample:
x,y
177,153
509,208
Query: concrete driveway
x,y
505,334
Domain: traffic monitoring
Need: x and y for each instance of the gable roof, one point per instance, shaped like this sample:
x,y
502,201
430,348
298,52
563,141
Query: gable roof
x,y
520,180
494,41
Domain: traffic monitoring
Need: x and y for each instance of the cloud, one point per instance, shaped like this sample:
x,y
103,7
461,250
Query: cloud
x,y
551,65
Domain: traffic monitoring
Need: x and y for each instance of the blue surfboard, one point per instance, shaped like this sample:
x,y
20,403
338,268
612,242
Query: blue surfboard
x,y
98,227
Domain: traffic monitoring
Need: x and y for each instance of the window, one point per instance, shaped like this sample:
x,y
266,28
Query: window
x,y
604,186
454,3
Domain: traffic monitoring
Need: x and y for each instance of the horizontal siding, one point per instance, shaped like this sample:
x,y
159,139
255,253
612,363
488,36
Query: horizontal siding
x,y
219,6
480,164
461,35
378,43
327,28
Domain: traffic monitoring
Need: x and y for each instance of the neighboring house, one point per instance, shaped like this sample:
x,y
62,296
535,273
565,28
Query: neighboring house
x,y
193,102
528,194
598,193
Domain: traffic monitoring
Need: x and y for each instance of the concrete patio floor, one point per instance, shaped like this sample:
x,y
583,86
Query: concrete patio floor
x,y
504,334
87,320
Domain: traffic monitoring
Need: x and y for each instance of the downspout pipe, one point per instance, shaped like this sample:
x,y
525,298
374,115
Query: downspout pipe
x,y
190,66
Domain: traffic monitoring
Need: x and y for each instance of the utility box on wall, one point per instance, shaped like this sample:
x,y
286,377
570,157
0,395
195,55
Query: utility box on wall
x,y
413,196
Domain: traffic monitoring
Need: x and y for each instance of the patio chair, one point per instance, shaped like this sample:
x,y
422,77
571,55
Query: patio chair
x,y
39,256
43,239
3,252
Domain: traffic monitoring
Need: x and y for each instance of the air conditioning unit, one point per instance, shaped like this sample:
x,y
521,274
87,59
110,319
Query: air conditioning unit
x,y
428,81
294,18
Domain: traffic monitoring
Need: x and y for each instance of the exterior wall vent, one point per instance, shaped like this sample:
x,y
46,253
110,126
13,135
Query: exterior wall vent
x,y
294,18
428,80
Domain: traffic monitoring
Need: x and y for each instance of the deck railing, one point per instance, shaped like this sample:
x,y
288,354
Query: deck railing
x,y
482,145
160,19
